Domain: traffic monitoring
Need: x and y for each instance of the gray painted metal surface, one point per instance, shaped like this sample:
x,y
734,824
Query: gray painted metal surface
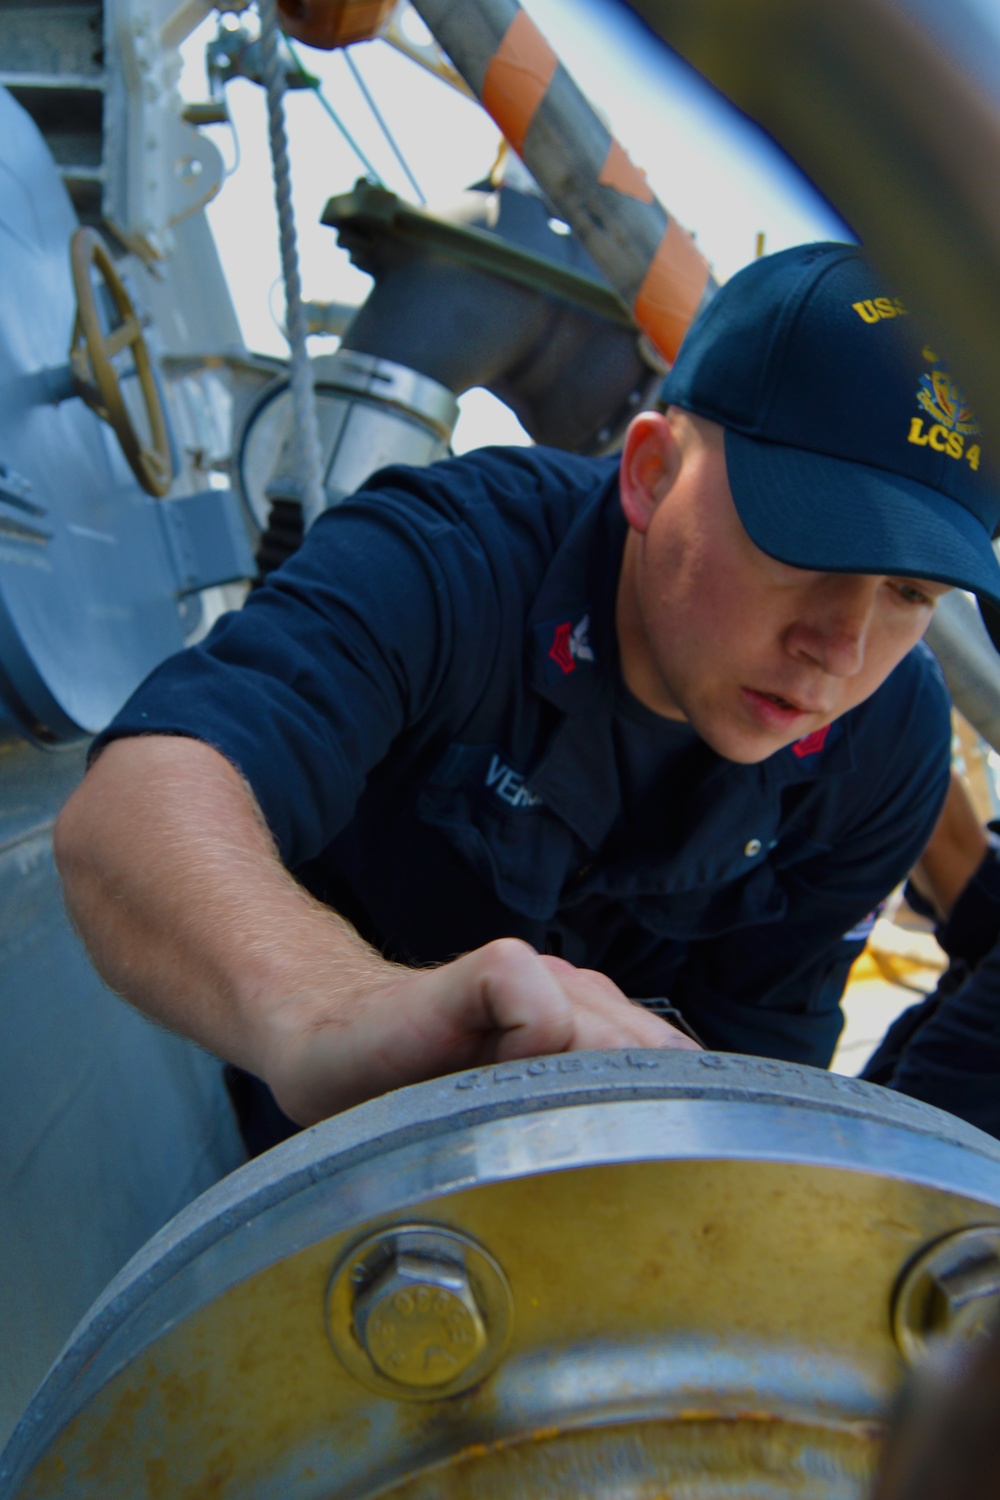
x,y
109,1125
969,661
207,539
89,583
76,633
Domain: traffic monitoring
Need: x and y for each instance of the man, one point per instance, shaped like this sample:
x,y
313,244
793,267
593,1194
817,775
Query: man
x,y
576,731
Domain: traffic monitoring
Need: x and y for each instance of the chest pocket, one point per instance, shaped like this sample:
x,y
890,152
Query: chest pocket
x,y
709,864
482,805
751,900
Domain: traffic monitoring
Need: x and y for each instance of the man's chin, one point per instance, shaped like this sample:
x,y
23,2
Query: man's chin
x,y
746,756
745,746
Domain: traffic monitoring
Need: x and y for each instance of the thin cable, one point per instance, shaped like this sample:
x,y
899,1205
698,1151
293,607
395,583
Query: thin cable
x,y
307,452
237,152
317,89
356,74
272,311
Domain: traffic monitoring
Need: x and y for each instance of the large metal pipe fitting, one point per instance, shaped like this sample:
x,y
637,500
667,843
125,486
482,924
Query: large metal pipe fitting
x,y
603,1274
370,412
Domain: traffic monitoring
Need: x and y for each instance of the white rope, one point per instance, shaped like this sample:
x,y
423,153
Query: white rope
x,y
307,451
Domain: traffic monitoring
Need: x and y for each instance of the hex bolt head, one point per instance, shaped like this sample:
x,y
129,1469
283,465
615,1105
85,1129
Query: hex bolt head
x,y
950,1292
418,1312
966,1297
419,1321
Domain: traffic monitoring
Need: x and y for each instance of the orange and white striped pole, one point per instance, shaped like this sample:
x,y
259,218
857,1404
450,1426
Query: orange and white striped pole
x,y
650,260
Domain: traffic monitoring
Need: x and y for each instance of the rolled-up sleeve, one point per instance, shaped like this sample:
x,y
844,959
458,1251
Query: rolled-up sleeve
x,y
307,686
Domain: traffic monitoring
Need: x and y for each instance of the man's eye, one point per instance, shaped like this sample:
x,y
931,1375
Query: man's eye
x,y
913,595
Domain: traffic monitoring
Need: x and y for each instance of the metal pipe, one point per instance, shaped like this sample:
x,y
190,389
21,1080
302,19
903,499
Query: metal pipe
x,y
652,263
970,664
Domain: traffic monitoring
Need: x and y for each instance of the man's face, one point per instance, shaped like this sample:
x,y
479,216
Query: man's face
x,y
753,653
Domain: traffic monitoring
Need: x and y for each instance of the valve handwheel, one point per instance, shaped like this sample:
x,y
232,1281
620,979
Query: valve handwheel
x,y
92,352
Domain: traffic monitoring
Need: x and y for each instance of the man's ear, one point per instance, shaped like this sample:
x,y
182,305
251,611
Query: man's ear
x,y
650,460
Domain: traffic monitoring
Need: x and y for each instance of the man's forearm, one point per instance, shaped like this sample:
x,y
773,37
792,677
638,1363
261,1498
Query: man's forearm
x,y
175,886
178,892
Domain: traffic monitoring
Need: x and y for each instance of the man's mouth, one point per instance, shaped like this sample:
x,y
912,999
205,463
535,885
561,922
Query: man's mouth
x,y
777,711
796,705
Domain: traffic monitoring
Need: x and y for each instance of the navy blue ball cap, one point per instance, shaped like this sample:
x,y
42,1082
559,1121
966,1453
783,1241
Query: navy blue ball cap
x,y
849,446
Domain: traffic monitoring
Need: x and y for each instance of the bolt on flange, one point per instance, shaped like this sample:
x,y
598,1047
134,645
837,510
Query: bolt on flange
x,y
419,1321
418,1312
950,1292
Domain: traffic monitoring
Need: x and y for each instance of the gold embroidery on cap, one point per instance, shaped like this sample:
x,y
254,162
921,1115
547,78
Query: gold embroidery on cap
x,y
952,418
874,309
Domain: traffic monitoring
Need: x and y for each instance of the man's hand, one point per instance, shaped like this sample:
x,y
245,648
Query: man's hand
x,y
175,886
498,1003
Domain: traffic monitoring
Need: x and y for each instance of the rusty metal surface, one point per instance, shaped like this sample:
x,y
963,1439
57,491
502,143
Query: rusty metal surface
x,y
694,1455
702,1255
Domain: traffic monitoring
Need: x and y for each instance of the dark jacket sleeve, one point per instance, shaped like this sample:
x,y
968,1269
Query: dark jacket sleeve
x,y
394,610
946,1049
306,687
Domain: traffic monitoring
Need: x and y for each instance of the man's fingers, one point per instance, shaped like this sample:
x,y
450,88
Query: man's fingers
x,y
655,1032
625,1024
504,987
542,1004
603,1011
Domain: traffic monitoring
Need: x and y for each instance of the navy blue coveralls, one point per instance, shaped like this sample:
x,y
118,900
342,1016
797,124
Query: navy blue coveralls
x,y
427,703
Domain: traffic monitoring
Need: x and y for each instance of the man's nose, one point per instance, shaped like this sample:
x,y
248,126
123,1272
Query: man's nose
x,y
832,629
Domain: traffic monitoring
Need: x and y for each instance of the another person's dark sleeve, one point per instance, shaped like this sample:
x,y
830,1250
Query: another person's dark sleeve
x,y
946,1049
951,1058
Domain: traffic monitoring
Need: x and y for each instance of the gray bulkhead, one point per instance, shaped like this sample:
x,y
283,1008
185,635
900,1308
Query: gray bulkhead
x,y
109,1124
